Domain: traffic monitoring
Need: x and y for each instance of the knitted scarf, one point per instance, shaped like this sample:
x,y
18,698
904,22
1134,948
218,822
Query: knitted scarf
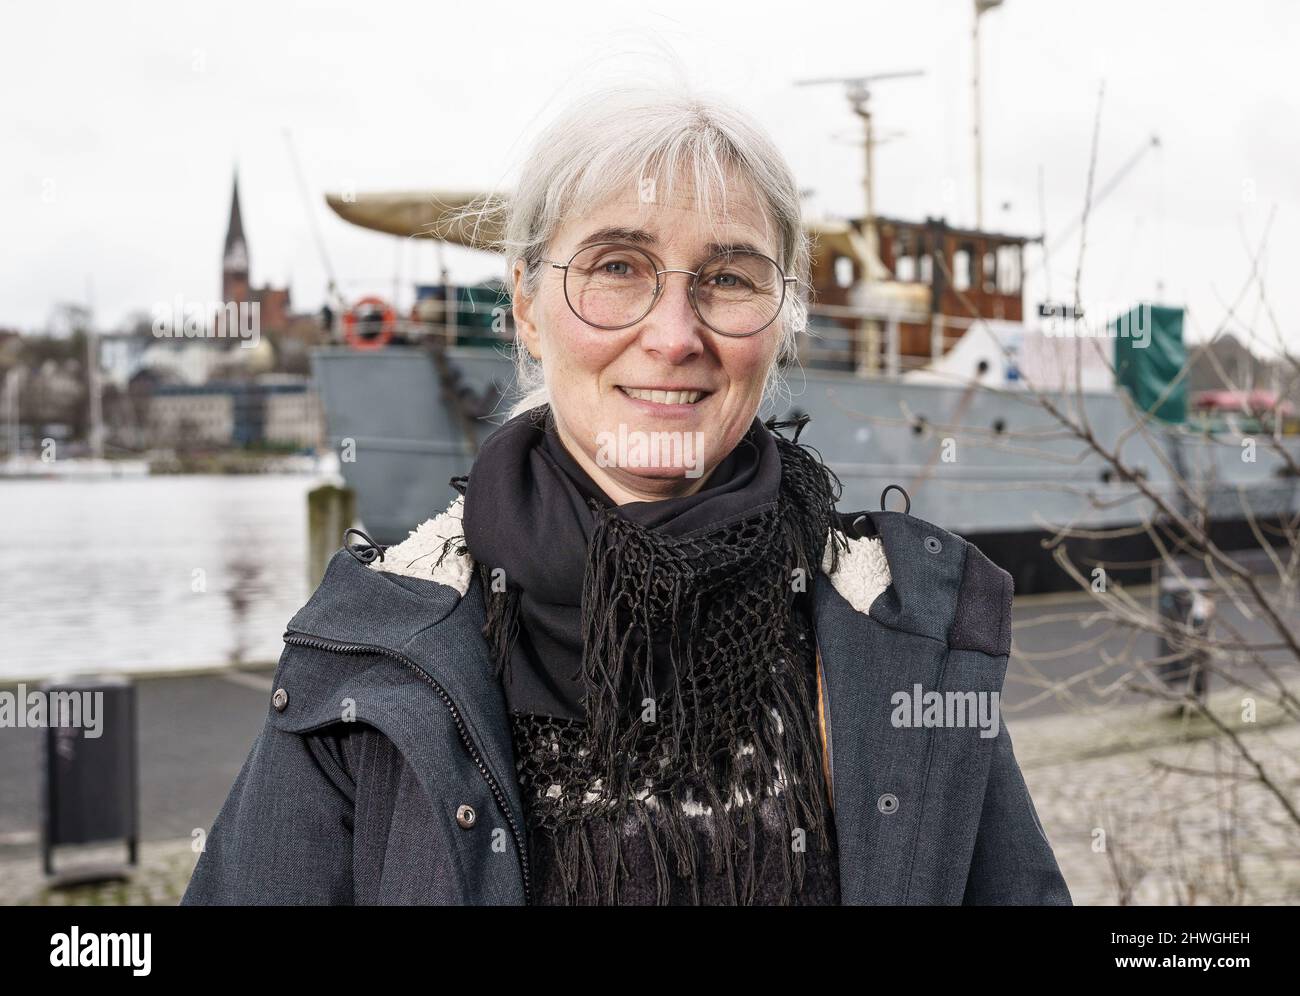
x,y
654,655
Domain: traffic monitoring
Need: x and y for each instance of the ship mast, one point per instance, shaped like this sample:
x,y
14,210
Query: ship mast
x,y
981,7
858,91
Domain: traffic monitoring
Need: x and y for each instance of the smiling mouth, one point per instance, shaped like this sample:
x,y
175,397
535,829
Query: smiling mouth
x,y
665,397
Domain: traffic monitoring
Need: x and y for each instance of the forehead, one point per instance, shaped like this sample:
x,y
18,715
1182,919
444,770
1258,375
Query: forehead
x,y
674,221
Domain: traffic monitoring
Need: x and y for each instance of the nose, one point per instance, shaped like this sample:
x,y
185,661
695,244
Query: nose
x,y
673,329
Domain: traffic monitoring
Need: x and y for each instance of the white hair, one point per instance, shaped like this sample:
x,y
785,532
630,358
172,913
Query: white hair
x,y
620,138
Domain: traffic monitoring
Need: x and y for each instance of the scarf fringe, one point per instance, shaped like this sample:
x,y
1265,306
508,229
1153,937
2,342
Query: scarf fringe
x,y
502,626
635,580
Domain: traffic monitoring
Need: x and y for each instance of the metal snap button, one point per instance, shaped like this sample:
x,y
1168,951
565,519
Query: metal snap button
x,y
280,699
932,544
466,816
888,803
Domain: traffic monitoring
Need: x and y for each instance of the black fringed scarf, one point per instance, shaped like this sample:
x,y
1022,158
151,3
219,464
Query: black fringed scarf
x,y
657,661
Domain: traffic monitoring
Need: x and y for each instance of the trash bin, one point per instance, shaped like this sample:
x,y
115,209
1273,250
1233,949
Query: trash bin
x,y
89,766
1188,602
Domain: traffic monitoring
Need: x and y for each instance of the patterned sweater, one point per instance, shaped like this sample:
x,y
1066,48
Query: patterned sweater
x,y
774,850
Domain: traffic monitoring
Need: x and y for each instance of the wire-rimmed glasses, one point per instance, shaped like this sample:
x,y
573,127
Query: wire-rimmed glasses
x,y
612,285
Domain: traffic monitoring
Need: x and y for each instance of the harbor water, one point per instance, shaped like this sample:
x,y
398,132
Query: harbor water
x,y
149,573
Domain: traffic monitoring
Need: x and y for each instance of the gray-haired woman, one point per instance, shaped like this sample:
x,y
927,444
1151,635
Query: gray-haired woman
x,y
642,658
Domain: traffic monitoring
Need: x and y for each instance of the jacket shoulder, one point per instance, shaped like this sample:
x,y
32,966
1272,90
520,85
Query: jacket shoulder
x,y
385,595
933,581
982,620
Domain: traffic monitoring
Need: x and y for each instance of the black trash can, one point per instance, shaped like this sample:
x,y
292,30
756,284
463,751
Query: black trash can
x,y
89,766
1187,602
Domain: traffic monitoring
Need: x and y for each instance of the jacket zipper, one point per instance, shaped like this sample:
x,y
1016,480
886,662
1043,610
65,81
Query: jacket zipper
x,y
358,648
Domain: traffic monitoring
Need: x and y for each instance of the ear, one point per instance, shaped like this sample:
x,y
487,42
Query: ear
x,y
521,307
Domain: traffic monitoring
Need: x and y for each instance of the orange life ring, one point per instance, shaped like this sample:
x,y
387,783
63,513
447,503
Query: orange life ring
x,y
387,326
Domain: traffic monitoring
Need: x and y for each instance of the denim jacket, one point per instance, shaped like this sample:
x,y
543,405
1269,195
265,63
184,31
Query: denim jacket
x,y
384,773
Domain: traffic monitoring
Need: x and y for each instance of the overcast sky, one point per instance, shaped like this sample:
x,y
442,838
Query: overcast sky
x,y
120,125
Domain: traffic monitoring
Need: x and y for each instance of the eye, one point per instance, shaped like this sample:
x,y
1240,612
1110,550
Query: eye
x,y
613,264
727,280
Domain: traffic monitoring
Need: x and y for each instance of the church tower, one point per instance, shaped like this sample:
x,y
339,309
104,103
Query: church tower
x,y
234,261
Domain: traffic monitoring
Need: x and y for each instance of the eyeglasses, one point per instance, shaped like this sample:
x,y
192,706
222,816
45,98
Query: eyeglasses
x,y
611,286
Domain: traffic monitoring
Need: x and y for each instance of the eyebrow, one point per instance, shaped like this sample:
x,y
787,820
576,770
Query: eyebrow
x,y
640,237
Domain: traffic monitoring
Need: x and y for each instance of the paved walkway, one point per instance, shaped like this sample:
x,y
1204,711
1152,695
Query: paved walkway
x,y
194,733
158,880
1131,826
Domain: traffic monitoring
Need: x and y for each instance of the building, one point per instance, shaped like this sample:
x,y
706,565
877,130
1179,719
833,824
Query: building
x,y
189,415
278,410
292,411
236,281
292,335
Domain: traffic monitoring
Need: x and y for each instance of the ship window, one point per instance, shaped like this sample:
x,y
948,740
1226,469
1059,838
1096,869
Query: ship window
x,y
961,269
990,273
1009,270
843,271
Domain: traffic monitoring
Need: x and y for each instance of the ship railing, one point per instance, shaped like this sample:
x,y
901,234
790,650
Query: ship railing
x,y
466,325
877,342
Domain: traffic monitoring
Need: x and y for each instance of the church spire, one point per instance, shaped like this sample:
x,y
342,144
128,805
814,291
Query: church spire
x,y
235,258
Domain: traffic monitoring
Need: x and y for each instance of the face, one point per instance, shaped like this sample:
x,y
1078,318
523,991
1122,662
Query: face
x,y
642,449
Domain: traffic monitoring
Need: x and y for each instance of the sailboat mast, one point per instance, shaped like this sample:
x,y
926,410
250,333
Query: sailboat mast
x,y
94,383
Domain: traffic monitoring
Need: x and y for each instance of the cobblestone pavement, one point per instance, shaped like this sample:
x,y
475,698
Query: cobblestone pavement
x,y
1147,826
1112,814
159,879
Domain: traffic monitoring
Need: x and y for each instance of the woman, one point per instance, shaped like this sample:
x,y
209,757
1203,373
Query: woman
x,y
642,658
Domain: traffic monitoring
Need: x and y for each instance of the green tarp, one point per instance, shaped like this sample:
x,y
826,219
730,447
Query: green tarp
x,y
1149,354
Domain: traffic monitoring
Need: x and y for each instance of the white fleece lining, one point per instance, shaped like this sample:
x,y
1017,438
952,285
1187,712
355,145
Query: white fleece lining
x,y
863,573
863,570
417,555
